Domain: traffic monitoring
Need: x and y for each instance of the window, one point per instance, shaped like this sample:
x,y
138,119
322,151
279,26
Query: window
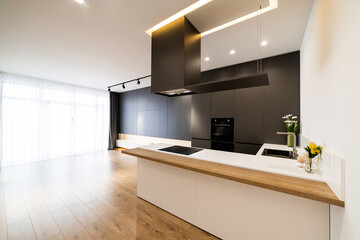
x,y
43,119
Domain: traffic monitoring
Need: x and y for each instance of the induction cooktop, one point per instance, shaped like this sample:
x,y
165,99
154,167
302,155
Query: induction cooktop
x,y
181,150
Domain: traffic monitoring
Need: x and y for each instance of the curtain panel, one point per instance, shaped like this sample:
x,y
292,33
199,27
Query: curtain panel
x,y
43,119
114,119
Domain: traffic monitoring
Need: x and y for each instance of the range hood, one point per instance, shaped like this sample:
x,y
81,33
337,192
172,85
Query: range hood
x,y
176,61
251,80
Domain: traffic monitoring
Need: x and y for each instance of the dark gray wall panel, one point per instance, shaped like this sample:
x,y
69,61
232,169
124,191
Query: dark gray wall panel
x,y
163,117
154,100
282,96
147,114
141,99
249,115
200,116
173,117
201,143
148,123
222,104
128,120
185,117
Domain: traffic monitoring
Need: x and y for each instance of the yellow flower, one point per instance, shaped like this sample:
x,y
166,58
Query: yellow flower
x,y
312,146
312,151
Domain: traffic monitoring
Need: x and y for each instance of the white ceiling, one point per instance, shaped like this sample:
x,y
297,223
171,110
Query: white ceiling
x,y
105,42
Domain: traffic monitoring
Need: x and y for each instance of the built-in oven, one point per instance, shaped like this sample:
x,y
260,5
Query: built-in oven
x,y
222,134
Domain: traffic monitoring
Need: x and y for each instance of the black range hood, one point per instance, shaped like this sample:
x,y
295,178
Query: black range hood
x,y
251,80
176,61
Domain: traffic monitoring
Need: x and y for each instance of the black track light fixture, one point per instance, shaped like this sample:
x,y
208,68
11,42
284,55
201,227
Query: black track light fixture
x,y
137,80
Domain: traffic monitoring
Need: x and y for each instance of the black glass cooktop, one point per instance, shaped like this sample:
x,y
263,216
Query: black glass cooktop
x,y
181,150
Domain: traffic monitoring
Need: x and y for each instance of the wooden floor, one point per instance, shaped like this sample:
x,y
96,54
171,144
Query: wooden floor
x,y
90,196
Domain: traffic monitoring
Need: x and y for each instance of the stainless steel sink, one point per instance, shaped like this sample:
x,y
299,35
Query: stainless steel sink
x,y
278,153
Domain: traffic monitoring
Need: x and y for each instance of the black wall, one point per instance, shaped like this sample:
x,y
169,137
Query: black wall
x,y
147,114
257,111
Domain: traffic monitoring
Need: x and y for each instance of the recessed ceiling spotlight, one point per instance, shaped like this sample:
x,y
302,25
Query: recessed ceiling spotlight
x,y
264,43
80,1
207,59
232,52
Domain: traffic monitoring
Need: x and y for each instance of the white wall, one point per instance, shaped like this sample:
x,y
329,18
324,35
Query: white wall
x,y
330,97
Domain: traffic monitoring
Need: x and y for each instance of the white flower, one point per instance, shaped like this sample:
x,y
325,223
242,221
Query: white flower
x,y
294,117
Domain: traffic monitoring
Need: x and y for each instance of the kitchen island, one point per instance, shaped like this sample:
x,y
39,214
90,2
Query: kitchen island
x,y
236,196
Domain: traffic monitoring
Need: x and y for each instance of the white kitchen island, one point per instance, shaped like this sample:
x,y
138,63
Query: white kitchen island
x,y
236,196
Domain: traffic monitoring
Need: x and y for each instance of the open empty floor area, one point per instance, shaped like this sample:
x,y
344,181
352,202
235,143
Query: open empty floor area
x,y
90,196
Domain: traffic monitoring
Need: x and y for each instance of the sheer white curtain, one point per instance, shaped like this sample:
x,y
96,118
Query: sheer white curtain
x,y
43,119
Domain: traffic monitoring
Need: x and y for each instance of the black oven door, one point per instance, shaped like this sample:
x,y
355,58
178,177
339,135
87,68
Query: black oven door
x,y
222,129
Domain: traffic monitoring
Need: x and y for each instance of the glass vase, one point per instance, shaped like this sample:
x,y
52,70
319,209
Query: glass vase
x,y
312,166
290,140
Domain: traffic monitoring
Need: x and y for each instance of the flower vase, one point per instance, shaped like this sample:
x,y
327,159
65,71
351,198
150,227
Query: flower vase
x,y
290,140
312,165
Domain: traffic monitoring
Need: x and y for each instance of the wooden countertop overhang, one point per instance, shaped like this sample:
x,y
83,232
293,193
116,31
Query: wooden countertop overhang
x,y
318,191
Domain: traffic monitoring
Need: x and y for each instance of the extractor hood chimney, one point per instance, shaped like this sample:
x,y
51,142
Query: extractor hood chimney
x,y
176,60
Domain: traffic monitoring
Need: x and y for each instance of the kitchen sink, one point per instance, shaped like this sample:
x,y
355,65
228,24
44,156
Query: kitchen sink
x,y
278,153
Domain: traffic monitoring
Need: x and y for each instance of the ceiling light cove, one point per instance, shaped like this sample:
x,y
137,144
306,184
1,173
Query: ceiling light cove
x,y
273,4
264,43
207,59
183,12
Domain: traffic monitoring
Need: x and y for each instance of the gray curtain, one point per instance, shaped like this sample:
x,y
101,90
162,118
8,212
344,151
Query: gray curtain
x,y
114,119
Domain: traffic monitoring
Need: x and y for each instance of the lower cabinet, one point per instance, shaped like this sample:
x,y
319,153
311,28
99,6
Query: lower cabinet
x,y
231,210
221,206
201,143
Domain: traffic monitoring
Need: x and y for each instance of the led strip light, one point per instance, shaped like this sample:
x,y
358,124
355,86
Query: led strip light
x,y
183,12
273,4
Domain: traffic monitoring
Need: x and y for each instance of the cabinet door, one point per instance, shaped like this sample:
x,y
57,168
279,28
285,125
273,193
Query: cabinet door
x,y
221,207
273,215
249,115
222,104
200,116
178,192
201,143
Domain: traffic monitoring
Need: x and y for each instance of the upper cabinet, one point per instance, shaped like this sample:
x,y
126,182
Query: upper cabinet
x,y
249,115
201,116
222,104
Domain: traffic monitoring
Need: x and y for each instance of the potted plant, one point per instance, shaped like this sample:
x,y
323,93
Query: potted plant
x,y
311,163
291,126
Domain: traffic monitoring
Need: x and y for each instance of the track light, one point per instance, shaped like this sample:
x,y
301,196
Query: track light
x,y
109,89
138,81
123,86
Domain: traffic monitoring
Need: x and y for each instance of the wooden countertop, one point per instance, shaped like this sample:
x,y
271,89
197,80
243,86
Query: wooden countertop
x,y
318,191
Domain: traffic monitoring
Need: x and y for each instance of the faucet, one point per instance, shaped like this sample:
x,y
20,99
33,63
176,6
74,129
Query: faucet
x,y
294,147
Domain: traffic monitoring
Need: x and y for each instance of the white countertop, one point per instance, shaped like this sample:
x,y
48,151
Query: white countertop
x,y
256,162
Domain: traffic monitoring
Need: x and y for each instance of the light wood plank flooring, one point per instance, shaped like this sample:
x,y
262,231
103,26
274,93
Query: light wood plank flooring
x,y
90,196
